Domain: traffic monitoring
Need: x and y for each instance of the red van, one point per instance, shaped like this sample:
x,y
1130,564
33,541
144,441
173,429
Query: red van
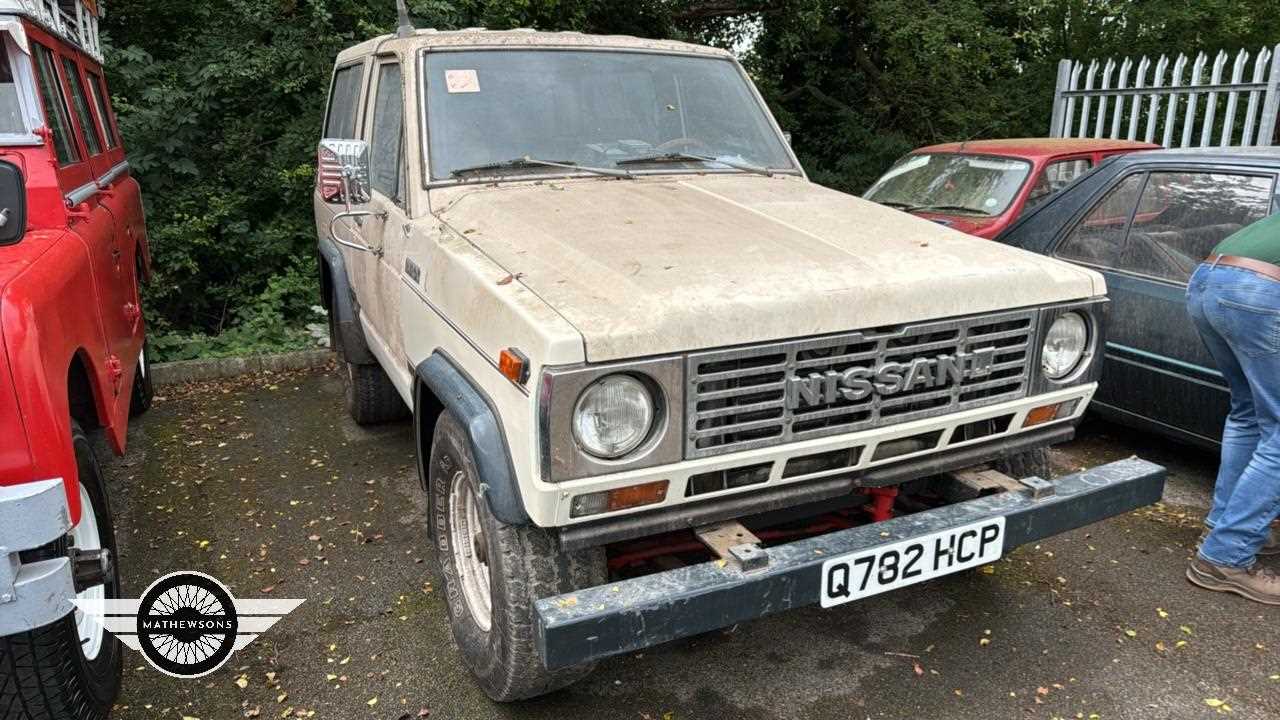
x,y
980,187
73,249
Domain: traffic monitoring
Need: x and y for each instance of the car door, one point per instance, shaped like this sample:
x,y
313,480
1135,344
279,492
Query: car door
x,y
1147,235
384,232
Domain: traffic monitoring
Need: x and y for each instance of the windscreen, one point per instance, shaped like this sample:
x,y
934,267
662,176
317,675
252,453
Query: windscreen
x,y
592,108
967,184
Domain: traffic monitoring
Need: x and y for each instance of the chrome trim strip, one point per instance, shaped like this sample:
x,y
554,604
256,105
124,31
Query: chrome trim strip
x,y
110,176
474,346
81,194
87,190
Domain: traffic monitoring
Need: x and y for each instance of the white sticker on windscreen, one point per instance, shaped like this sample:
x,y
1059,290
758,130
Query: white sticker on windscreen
x,y
461,81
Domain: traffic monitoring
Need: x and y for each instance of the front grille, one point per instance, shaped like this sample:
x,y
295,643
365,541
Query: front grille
x,y
737,396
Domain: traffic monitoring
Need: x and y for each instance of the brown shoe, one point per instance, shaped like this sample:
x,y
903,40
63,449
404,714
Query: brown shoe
x,y
1257,583
1270,547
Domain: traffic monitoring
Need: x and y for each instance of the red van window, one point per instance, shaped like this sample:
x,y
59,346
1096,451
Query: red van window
x,y
55,106
81,104
99,93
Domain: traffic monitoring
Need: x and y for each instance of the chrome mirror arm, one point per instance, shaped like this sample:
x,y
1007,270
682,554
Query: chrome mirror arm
x,y
352,214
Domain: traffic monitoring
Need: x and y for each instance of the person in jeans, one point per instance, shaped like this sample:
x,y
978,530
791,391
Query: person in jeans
x,y
1234,300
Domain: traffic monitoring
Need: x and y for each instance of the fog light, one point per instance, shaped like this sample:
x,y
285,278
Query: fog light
x,y
1049,413
622,498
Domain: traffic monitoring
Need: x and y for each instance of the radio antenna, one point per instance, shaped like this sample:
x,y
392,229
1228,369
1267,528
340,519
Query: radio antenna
x,y
406,26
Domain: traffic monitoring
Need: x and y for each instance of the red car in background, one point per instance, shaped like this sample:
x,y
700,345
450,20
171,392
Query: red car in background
x,y
981,186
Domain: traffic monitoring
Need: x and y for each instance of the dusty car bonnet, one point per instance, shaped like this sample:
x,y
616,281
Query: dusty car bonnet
x,y
645,267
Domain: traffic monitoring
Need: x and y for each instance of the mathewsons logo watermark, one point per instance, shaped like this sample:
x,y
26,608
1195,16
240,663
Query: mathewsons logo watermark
x,y
187,624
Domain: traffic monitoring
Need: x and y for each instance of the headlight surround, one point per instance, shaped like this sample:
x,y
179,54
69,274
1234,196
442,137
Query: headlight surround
x,y
613,416
1064,345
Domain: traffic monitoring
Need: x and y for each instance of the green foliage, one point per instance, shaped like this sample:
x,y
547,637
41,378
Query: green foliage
x,y
221,105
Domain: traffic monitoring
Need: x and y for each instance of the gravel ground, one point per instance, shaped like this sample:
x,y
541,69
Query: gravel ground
x,y
264,483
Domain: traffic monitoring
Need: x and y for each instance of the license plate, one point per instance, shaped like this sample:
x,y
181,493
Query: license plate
x,y
907,562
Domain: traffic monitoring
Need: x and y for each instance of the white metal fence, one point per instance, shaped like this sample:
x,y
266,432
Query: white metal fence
x,y
1223,103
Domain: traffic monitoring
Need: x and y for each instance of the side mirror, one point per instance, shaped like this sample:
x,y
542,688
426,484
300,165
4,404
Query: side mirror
x,y
342,171
13,204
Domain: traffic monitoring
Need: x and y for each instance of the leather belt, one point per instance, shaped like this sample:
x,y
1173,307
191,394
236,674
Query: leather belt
x,y
1258,266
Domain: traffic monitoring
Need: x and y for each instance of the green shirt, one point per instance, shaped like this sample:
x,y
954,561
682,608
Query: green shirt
x,y
1260,241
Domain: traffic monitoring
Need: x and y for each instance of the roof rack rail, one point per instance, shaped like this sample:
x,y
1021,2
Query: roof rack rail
x,y
73,20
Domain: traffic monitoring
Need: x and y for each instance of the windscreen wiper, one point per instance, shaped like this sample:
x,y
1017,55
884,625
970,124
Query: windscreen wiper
x,y
961,208
526,161
685,157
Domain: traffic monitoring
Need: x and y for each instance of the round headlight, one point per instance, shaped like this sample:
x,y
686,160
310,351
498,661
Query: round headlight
x,y
1064,346
613,416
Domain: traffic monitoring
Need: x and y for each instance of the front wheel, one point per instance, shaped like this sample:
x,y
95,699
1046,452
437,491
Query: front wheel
x,y
70,668
492,574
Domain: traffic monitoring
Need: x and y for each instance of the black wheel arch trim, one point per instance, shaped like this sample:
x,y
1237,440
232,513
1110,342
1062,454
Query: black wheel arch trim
x,y
355,347
459,394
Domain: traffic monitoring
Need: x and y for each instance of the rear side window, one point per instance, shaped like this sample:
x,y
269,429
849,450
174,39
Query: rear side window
x,y
341,122
1182,216
99,93
1056,175
388,139
80,102
55,106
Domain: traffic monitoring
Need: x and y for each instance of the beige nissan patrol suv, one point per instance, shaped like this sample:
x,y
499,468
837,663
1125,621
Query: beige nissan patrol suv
x,y
660,381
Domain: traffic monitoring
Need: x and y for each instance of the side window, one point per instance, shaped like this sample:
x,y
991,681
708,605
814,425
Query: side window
x,y
1183,215
55,106
80,102
10,106
1099,238
341,122
99,93
1056,175
387,144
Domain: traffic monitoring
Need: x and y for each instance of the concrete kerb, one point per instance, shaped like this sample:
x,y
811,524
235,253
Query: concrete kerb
x,y
187,371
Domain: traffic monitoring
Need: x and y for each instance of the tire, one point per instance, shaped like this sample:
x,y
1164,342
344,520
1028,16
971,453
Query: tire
x,y
143,386
523,566
370,396
44,673
1032,462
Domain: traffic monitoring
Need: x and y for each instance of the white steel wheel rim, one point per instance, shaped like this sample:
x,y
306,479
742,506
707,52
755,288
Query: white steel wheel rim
x,y
85,536
466,534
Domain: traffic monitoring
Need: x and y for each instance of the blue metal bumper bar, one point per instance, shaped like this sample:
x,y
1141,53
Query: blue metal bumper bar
x,y
634,614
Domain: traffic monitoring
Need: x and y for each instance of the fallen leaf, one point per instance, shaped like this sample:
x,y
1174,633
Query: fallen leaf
x,y
916,667
253,712
372,701
242,682
1185,629
1162,613
1131,633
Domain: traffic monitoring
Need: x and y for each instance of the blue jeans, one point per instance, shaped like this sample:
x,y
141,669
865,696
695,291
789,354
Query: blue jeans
x,y
1237,313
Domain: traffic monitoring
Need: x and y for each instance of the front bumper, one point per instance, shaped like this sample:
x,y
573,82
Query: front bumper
x,y
33,594
630,615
